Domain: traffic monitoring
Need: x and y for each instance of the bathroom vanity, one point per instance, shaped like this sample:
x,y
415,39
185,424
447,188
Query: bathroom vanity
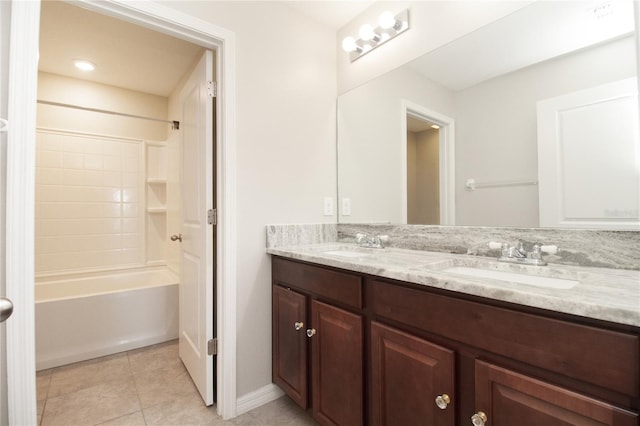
x,y
359,343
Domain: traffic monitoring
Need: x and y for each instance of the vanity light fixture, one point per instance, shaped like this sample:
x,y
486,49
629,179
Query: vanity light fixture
x,y
83,65
389,26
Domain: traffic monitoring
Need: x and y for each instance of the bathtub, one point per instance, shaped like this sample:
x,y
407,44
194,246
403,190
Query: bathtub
x,y
79,317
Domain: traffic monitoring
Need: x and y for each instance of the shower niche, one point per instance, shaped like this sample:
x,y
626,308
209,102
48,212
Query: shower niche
x,y
156,202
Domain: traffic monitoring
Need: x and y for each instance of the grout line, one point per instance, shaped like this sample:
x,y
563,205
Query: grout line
x,y
135,383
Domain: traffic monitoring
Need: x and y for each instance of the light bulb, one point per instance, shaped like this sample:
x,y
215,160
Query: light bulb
x,y
435,126
366,32
349,44
387,20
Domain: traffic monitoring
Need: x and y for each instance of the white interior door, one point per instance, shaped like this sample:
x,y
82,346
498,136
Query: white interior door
x,y
589,158
196,282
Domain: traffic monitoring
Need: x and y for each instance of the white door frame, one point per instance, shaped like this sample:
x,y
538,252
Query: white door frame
x,y
20,203
446,161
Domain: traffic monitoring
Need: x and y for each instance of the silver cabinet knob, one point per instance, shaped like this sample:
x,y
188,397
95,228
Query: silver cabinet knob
x,y
6,308
479,418
176,237
298,325
442,401
311,332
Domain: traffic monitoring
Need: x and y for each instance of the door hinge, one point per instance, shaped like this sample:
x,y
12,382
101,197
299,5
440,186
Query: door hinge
x,y
212,217
212,347
212,89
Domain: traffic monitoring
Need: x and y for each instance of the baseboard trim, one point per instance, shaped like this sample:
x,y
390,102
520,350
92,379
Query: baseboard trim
x,y
257,398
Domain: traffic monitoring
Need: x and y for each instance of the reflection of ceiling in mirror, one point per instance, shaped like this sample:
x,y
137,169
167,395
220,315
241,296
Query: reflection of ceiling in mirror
x,y
536,33
417,125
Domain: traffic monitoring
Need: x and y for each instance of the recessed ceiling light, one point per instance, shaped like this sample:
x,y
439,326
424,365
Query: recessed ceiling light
x,y
84,65
435,126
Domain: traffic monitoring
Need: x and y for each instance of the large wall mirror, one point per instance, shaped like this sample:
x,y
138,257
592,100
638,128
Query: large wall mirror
x,y
529,121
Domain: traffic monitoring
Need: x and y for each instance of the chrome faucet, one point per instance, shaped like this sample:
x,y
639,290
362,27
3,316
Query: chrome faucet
x,y
375,241
518,254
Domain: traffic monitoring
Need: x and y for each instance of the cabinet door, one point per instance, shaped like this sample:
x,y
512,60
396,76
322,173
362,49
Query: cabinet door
x,y
337,370
509,398
290,344
408,374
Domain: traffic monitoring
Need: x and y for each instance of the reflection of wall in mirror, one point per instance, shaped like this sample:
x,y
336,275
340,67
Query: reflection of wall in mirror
x,y
370,138
496,129
423,189
495,134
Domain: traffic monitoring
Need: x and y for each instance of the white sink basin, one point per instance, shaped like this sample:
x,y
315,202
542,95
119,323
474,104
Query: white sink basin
x,y
534,280
346,253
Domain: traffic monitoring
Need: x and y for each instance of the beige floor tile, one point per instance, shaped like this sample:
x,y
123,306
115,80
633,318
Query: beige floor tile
x,y
42,386
163,385
154,357
93,405
133,419
81,375
282,411
189,410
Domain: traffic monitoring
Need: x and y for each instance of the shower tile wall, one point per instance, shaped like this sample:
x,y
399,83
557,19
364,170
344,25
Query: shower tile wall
x,y
89,202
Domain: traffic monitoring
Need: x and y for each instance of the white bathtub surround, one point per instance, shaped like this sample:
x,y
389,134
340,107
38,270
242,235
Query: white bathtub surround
x,y
89,202
80,317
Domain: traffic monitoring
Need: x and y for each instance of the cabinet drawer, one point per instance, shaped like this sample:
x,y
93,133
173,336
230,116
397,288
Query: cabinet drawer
x,y
602,357
510,398
332,285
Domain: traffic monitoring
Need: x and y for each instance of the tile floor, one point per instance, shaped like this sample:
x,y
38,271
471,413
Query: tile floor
x,y
147,386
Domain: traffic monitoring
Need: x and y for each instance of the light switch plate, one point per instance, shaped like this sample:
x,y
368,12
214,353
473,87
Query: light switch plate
x,y
328,206
346,207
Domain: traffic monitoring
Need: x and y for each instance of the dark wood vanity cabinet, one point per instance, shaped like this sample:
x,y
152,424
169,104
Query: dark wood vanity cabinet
x,y
407,375
318,347
509,398
290,344
394,353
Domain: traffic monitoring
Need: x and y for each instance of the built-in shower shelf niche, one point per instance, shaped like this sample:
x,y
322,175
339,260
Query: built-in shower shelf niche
x,y
156,195
156,203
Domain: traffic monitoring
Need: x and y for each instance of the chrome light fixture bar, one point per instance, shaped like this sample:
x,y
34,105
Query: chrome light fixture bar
x,y
389,27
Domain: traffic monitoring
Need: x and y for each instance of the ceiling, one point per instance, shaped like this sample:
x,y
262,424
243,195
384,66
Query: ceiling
x,y
334,14
137,58
125,55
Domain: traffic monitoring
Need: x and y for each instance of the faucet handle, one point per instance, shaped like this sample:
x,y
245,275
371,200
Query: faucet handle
x,y
360,236
494,245
536,253
551,249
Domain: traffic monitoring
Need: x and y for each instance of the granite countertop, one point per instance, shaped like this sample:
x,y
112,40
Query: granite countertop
x,y
601,293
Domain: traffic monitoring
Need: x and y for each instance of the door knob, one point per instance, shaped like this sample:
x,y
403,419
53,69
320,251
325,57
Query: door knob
x,y
479,419
298,325
442,401
6,308
175,237
311,332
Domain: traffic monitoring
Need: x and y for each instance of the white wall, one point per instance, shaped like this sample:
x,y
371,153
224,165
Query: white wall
x,y
433,24
496,130
66,90
370,139
285,122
